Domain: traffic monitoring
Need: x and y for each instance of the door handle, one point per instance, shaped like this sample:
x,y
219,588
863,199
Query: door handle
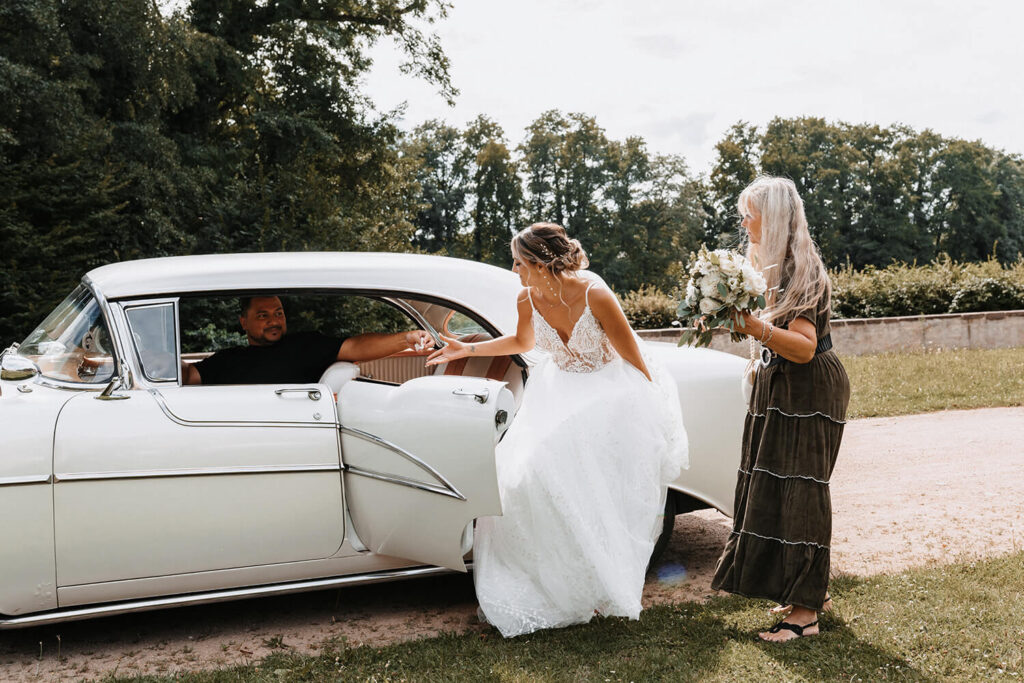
x,y
313,394
480,396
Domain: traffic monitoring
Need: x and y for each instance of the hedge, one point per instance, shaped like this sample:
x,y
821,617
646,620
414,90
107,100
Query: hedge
x,y
942,286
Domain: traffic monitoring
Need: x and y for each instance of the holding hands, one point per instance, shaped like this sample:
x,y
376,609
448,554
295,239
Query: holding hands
x,y
453,350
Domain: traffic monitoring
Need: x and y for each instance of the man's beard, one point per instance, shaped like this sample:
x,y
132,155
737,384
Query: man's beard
x,y
264,341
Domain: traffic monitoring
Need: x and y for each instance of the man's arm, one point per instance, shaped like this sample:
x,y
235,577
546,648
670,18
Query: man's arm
x,y
372,345
190,374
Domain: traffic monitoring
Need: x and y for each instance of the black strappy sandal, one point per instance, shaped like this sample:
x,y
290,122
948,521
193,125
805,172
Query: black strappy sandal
x,y
795,628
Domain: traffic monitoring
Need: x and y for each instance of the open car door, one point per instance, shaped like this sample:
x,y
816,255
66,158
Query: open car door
x,y
418,462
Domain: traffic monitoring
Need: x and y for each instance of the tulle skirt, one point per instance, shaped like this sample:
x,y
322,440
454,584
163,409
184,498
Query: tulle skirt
x,y
583,473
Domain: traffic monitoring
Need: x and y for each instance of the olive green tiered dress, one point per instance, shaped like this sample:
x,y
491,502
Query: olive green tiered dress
x,y
782,525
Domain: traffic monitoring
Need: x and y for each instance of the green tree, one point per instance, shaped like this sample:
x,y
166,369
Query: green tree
x,y
966,225
874,194
1008,174
236,125
637,215
736,165
584,158
443,174
497,193
542,160
301,160
656,217
87,173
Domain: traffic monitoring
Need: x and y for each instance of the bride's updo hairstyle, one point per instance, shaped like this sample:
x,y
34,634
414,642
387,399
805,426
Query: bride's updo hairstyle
x,y
548,245
786,255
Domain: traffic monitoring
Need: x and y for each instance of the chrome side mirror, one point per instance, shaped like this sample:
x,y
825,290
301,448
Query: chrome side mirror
x,y
15,368
117,383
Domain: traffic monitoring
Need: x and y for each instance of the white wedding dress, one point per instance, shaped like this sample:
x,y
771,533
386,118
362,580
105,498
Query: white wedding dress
x,y
582,473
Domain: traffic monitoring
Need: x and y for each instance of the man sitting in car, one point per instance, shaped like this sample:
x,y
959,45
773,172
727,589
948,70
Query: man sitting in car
x,y
275,357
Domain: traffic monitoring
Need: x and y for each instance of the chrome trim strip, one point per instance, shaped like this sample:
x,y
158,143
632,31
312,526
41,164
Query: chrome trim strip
x,y
195,472
383,443
329,424
50,383
120,353
404,481
154,303
411,311
113,609
27,479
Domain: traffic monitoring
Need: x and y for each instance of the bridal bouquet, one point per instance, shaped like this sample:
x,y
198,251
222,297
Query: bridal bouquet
x,y
721,282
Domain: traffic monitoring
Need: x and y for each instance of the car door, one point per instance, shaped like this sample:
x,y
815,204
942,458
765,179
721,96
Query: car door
x,y
419,463
163,479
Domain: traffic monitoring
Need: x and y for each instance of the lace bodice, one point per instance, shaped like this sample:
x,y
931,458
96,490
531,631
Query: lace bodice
x,y
588,348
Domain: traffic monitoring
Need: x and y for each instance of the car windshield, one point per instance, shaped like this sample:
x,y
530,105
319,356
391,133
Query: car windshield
x,y
73,343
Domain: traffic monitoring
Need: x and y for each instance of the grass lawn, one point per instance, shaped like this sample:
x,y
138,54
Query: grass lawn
x,y
957,622
905,383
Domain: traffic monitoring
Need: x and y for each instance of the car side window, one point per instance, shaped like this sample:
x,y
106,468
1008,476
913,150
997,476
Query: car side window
x,y
458,324
155,339
73,344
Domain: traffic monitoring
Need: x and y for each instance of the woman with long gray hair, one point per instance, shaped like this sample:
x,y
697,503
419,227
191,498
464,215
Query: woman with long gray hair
x,y
782,524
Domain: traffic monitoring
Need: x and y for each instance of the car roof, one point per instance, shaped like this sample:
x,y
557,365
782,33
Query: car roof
x,y
484,289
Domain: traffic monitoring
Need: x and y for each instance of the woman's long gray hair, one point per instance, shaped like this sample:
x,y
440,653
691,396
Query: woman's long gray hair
x,y
788,257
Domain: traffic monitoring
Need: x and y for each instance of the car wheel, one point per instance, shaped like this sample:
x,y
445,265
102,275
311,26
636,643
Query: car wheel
x,y
668,523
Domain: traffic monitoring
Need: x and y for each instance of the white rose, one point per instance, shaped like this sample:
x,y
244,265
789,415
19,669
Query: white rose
x,y
755,285
729,266
709,283
691,293
709,305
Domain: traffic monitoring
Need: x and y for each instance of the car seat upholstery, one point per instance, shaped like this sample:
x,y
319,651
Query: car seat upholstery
x,y
491,367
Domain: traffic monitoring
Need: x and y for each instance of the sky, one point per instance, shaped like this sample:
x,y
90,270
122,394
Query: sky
x,y
679,73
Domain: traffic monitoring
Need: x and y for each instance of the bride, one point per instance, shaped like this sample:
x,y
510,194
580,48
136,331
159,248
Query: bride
x,y
584,467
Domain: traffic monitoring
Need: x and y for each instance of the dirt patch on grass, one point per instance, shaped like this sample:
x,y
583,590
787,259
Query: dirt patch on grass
x,y
908,491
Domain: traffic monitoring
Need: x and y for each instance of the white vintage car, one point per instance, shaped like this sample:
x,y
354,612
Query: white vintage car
x,y
122,490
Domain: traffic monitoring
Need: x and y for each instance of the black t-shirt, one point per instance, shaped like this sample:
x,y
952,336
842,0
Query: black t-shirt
x,y
296,359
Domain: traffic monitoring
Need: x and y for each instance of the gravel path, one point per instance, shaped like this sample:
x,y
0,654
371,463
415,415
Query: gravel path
x,y
907,491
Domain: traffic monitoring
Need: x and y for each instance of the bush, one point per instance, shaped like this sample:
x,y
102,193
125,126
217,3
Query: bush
x,y
942,286
649,308
987,294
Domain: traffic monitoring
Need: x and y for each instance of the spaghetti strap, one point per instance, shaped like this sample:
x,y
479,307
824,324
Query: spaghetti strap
x,y
529,295
586,294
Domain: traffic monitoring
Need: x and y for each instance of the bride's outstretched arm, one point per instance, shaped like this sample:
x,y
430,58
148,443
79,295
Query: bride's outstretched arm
x,y
520,342
608,312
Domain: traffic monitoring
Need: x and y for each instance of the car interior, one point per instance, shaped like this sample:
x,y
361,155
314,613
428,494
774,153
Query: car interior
x,y
209,323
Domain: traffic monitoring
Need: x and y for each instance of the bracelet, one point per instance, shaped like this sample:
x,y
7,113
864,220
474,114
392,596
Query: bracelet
x,y
764,330
771,331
